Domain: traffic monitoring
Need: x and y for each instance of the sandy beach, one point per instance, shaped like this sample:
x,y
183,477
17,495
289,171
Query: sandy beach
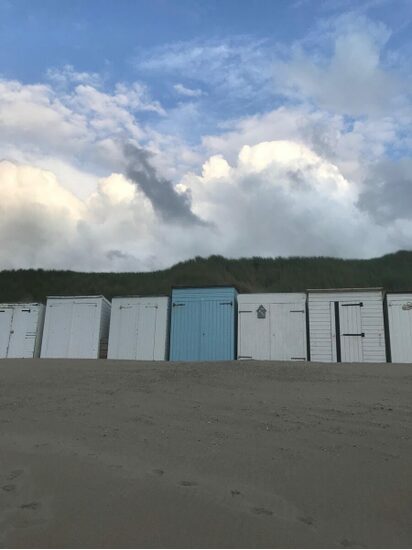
x,y
245,454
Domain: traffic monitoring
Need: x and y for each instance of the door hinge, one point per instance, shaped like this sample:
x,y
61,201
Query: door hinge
x,y
353,334
178,305
297,311
226,303
359,304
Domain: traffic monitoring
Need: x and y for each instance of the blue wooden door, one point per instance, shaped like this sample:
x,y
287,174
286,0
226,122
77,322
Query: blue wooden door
x,y
185,331
217,329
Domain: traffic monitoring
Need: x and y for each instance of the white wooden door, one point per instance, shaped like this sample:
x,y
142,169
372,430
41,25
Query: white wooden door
x,y
57,330
351,335
146,332
400,326
84,342
23,332
6,317
253,332
288,332
127,330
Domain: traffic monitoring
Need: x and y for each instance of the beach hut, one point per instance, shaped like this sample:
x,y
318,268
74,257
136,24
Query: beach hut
x,y
21,327
139,328
76,327
203,324
346,325
272,326
399,310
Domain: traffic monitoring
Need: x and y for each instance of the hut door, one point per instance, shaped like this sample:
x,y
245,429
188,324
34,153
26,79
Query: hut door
x,y
215,330
400,325
127,331
83,338
288,340
6,316
147,332
57,335
185,331
23,333
254,332
351,335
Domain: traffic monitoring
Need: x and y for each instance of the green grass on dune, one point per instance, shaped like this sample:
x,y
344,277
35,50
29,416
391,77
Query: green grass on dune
x,y
393,272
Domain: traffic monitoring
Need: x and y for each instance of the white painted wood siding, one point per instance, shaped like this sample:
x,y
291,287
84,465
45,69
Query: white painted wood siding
x,y
139,328
400,326
74,326
368,320
21,328
280,335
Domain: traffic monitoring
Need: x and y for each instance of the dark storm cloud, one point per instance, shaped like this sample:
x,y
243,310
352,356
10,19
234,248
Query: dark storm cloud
x,y
169,204
388,191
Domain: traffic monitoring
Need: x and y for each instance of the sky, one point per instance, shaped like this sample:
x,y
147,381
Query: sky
x,y
136,134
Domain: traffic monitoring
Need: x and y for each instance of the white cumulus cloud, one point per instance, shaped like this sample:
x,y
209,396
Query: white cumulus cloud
x,y
188,92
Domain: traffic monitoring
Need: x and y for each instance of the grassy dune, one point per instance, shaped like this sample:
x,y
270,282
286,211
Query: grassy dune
x,y
393,272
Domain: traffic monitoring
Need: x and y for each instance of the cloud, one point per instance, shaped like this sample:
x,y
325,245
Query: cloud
x,y
277,198
44,225
240,65
76,132
188,92
387,191
280,198
67,76
82,122
289,150
343,69
171,205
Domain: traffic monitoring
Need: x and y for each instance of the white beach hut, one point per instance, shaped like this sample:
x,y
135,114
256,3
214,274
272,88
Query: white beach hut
x,y
76,327
21,328
346,325
272,326
139,328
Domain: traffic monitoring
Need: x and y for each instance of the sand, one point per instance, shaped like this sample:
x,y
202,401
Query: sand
x,y
246,454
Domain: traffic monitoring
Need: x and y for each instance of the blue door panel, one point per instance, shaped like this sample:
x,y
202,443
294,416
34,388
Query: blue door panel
x,y
203,324
216,329
185,331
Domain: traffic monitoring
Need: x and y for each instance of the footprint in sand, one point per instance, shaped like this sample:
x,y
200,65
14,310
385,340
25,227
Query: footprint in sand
x,y
188,483
115,466
31,506
9,488
348,543
260,511
158,472
14,474
306,519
